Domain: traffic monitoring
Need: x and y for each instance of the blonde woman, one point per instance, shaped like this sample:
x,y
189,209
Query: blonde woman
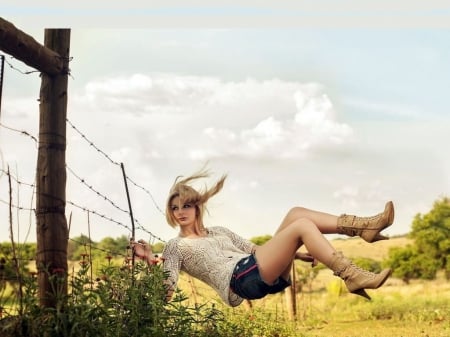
x,y
236,268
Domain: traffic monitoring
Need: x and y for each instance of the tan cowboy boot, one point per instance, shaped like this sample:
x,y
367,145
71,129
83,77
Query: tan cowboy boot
x,y
368,228
355,278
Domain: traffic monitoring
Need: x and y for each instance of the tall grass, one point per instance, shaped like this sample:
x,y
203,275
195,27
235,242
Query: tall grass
x,y
119,303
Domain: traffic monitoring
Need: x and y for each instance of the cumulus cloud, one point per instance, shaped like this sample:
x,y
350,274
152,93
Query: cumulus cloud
x,y
215,118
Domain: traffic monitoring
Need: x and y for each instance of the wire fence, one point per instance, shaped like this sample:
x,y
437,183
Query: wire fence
x,y
89,186
73,204
193,288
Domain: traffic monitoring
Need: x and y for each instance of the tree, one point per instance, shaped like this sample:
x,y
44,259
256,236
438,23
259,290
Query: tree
x,y
431,233
408,263
260,240
431,249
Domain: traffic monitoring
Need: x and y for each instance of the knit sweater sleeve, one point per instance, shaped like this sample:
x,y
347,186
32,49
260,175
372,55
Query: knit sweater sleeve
x,y
172,262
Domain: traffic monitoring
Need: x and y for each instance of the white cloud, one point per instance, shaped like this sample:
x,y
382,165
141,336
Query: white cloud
x,y
204,112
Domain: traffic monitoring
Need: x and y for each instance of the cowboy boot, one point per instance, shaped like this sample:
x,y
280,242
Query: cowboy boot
x,y
368,228
355,278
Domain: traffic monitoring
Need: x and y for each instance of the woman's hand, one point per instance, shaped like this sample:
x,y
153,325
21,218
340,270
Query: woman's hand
x,y
142,250
306,257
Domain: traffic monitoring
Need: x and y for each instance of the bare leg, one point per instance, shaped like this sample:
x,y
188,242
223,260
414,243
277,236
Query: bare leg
x,y
275,257
326,223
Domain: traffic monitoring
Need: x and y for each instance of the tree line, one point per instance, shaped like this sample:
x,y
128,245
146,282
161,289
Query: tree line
x,y
428,253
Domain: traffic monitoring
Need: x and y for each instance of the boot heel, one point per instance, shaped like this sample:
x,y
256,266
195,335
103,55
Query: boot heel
x,y
362,292
379,237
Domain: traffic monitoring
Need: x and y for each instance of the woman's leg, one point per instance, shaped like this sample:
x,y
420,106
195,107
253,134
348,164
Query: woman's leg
x,y
368,228
275,257
325,222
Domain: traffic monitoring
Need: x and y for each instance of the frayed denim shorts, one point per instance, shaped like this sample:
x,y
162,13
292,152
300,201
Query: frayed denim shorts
x,y
247,283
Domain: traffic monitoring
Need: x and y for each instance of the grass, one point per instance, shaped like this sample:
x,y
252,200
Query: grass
x,y
324,308
421,308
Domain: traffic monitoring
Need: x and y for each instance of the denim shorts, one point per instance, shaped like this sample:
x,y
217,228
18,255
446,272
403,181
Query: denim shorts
x,y
247,283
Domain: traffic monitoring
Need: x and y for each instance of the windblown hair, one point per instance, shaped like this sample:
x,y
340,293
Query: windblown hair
x,y
187,194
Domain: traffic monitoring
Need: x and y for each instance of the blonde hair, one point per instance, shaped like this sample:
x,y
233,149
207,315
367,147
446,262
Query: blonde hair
x,y
187,194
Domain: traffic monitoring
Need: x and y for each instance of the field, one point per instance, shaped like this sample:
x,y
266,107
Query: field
x,y
325,309
419,309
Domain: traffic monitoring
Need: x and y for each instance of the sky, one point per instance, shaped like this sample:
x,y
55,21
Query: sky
x,y
338,109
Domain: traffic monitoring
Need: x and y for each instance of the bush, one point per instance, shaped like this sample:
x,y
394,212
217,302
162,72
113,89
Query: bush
x,y
117,303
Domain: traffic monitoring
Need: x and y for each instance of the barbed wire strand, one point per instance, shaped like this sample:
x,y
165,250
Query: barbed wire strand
x,y
85,209
25,133
82,180
91,143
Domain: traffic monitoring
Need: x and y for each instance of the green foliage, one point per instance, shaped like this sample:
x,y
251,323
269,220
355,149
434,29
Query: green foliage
x,y
8,270
158,247
260,240
260,322
118,303
431,249
431,232
305,276
368,264
24,251
408,263
81,246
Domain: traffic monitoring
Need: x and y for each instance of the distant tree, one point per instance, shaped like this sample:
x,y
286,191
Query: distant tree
x,y
408,263
368,264
260,240
431,233
78,246
158,248
431,248
25,253
114,246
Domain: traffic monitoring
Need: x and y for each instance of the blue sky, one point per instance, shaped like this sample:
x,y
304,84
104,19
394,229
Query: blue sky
x,y
339,113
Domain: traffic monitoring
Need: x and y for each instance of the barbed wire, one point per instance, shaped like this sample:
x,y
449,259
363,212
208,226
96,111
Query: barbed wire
x,y
83,181
23,132
91,143
107,251
18,70
85,209
13,177
68,72
20,208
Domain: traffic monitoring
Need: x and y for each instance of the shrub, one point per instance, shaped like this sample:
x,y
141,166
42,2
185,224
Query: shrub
x,y
121,301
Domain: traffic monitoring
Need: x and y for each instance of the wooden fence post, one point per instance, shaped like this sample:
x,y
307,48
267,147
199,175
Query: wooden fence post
x,y
291,296
51,223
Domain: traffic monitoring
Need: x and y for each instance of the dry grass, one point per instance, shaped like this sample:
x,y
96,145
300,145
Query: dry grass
x,y
420,309
355,247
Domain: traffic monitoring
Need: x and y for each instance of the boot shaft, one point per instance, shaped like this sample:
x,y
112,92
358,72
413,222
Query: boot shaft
x,y
356,279
368,228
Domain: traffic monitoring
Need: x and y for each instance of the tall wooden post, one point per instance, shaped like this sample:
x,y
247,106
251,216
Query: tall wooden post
x,y
51,223
290,295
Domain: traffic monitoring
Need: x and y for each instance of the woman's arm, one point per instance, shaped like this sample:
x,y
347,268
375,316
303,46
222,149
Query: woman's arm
x,y
143,250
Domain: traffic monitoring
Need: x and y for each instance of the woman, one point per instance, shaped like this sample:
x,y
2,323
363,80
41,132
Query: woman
x,y
238,269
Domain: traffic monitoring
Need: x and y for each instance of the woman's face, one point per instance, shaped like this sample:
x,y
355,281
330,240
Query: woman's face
x,y
184,213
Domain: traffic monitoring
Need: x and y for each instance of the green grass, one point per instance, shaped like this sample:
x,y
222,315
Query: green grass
x,y
324,308
421,308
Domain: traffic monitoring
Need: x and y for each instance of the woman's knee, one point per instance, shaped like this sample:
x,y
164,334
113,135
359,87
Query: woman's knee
x,y
296,212
303,225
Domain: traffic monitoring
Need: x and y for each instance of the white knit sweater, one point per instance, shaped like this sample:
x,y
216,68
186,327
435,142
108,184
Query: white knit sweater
x,y
211,259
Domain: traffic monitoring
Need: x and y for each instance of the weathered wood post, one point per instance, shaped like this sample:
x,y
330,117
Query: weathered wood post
x,y
290,295
51,223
